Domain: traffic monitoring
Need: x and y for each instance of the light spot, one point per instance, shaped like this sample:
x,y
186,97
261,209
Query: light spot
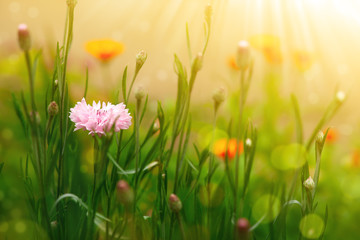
x,y
287,157
162,75
216,195
33,12
7,134
117,35
20,227
267,208
311,226
14,7
4,226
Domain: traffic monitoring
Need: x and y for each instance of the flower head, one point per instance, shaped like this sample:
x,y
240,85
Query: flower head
x,y
231,145
99,118
24,37
269,46
104,49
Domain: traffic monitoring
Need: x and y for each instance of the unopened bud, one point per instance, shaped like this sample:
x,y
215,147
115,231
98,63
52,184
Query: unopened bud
x,y
139,93
53,109
320,138
197,64
243,55
56,83
243,227
175,203
54,224
140,60
208,13
248,143
24,37
219,95
156,126
71,3
309,183
125,194
340,96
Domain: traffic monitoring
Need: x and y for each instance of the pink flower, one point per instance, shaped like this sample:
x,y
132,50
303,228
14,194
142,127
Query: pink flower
x,y
100,119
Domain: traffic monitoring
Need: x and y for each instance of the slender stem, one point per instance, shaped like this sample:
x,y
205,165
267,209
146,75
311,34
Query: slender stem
x,y
238,137
211,162
70,20
36,145
181,226
137,151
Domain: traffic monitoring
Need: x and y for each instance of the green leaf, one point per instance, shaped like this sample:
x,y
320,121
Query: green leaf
x,y
1,167
86,81
124,84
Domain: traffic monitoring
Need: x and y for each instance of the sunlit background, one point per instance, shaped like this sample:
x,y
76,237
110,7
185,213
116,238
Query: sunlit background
x,y
316,49
306,47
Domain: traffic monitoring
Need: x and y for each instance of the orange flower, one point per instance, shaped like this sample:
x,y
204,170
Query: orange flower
x,y
303,60
220,145
332,135
269,46
232,63
104,49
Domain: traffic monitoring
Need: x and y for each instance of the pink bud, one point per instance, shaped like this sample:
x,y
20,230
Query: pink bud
x,y
124,192
24,37
243,55
175,203
243,227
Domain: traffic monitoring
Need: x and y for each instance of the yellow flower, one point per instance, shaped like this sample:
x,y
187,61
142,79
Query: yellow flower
x,y
104,49
269,46
303,60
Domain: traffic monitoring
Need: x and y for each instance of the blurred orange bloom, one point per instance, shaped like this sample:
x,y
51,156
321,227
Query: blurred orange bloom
x,y
269,46
355,159
303,60
104,49
219,148
332,135
232,63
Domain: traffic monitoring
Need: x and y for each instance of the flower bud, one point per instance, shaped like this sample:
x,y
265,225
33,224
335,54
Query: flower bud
x,y
320,138
156,126
125,194
54,224
53,109
309,183
243,227
139,93
175,203
140,60
71,3
197,63
248,143
219,95
56,83
24,37
340,96
243,55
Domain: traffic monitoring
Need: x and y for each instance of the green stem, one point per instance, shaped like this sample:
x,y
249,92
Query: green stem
x,y
211,162
137,151
238,137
